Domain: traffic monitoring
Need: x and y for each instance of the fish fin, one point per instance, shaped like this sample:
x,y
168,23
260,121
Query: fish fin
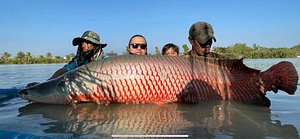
x,y
281,76
238,65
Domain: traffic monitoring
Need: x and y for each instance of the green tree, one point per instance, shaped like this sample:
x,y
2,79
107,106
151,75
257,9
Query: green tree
x,y
49,55
57,57
258,47
157,52
185,48
296,48
49,59
40,59
239,50
4,58
70,56
28,59
220,50
19,59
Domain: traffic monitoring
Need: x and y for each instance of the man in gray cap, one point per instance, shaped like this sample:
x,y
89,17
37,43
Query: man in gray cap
x,y
201,35
89,49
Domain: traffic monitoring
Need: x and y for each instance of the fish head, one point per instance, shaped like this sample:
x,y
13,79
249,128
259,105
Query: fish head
x,y
52,91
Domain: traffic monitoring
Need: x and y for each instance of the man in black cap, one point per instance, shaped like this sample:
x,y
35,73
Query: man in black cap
x,y
201,37
89,49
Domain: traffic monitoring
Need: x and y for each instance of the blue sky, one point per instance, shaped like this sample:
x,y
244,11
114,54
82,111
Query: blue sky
x,y
41,26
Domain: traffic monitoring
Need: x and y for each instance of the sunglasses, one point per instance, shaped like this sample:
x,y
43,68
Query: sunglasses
x,y
205,44
136,45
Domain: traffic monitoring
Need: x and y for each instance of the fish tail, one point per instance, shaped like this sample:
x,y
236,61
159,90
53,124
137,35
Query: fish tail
x,y
282,76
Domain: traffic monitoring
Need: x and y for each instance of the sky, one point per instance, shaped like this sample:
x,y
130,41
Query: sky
x,y
41,26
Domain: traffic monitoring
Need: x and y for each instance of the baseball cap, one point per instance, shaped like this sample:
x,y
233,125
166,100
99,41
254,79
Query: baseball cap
x,y
202,32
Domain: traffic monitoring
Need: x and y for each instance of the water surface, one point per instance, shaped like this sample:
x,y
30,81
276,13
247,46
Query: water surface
x,y
216,119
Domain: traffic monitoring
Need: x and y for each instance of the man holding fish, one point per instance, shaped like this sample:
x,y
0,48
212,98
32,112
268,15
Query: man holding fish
x,y
201,37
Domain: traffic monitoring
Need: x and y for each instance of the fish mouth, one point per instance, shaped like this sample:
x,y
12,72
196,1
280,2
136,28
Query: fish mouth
x,y
23,93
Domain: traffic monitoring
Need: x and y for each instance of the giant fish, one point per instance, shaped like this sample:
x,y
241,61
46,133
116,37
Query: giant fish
x,y
163,79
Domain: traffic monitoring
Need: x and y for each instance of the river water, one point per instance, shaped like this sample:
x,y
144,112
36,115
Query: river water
x,y
216,119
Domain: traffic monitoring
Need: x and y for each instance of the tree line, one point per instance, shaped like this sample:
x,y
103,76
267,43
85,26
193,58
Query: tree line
x,y
241,50
27,58
238,50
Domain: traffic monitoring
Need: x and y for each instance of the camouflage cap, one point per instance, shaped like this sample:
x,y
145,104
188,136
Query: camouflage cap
x,y
202,32
89,36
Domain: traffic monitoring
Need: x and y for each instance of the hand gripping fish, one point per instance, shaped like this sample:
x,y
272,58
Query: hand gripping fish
x,y
162,79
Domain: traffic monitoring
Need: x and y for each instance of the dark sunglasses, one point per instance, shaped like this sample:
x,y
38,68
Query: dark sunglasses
x,y
205,44
136,45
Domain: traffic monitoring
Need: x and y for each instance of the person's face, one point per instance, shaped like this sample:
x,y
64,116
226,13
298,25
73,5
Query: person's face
x,y
201,49
87,46
171,52
138,46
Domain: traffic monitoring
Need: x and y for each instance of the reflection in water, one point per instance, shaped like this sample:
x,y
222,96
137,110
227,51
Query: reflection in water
x,y
207,120
7,94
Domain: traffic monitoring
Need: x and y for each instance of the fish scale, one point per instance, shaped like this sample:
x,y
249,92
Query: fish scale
x,y
151,79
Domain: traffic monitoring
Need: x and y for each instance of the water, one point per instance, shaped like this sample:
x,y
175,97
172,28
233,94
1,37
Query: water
x,y
217,119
